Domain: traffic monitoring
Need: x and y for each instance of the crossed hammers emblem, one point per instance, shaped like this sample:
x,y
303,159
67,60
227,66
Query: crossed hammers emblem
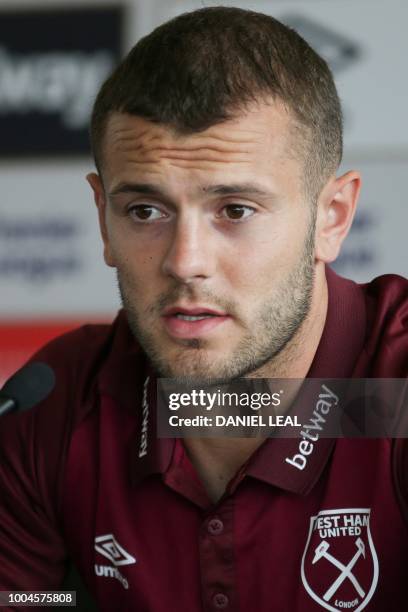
x,y
321,552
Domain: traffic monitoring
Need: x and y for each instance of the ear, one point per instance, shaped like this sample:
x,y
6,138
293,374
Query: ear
x,y
335,212
96,184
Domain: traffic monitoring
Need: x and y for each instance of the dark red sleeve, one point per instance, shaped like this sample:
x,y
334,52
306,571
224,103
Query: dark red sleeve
x,y
389,353
33,448
400,473
387,327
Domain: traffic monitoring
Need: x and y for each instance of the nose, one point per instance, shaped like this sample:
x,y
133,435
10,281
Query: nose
x,y
190,255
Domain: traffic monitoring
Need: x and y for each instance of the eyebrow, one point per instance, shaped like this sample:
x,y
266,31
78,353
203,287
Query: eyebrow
x,y
229,189
238,188
144,188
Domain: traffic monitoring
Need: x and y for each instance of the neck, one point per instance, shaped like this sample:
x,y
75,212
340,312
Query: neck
x,y
218,459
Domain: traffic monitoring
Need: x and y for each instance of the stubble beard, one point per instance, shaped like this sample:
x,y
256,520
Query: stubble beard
x,y
275,325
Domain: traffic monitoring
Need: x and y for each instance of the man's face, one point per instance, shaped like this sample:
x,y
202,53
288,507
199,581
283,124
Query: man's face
x,y
212,237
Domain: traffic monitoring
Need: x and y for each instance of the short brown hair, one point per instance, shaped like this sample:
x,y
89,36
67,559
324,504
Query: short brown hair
x,y
206,66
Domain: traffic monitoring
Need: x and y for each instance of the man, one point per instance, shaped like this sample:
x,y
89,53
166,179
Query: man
x,y
217,142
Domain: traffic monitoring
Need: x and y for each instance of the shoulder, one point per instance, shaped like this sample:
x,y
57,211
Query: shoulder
x,y
387,307
387,295
386,300
77,359
368,324
75,356
34,444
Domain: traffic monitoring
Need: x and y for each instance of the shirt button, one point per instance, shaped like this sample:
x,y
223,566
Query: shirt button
x,y
215,527
220,601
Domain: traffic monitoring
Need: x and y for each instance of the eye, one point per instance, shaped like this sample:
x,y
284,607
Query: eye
x,y
237,212
145,212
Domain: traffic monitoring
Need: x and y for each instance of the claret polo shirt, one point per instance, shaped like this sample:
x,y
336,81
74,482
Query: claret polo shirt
x,y
84,476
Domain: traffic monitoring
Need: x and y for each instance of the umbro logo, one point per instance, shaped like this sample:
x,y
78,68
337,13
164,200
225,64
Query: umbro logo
x,y
107,546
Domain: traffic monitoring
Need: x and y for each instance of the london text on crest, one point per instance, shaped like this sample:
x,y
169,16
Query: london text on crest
x,y
340,565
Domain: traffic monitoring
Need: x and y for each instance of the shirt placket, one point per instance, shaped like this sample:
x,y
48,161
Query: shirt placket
x,y
217,558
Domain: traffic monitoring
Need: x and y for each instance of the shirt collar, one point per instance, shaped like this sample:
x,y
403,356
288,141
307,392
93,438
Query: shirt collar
x,y
126,376
340,345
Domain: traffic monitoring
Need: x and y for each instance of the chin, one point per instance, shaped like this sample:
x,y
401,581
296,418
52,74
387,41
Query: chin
x,y
191,364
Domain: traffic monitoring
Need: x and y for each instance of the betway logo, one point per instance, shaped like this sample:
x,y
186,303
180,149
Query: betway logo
x,y
311,432
53,82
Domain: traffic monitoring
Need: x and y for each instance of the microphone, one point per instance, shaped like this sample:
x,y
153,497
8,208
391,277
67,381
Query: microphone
x,y
27,387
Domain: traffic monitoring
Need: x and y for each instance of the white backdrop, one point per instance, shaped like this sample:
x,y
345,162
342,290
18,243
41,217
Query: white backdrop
x,y
50,254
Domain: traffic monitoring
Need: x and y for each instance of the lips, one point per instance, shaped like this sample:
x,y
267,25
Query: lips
x,y
192,322
193,311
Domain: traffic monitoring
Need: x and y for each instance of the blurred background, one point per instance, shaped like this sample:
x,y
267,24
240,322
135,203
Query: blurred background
x,y
53,57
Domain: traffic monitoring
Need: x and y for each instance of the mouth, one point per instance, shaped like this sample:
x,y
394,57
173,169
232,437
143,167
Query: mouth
x,y
183,322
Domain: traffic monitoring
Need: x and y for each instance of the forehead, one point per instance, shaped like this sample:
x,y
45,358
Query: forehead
x,y
252,142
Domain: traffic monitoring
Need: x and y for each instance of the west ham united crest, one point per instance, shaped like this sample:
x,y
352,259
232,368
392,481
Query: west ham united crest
x,y
340,565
